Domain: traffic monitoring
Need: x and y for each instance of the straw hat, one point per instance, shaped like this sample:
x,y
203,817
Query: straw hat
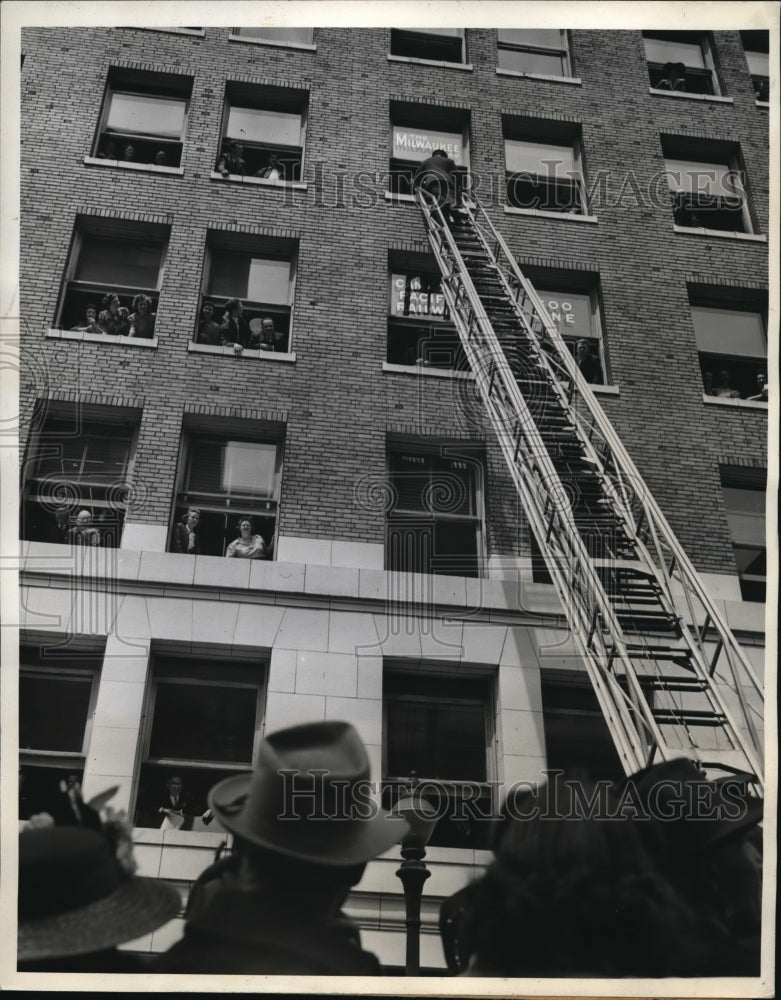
x,y
75,898
309,798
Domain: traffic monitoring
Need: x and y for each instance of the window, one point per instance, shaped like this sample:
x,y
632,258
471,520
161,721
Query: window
x,y
419,327
57,692
576,315
112,256
730,327
708,185
440,727
680,61
744,501
436,522
277,36
265,121
144,118
203,722
78,459
227,474
431,44
756,46
543,167
538,52
416,131
261,274
576,734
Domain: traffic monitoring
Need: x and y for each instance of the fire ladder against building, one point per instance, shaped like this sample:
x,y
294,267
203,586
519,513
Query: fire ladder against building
x,y
670,677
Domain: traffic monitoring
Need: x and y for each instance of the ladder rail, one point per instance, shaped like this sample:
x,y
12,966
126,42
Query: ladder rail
x,y
490,363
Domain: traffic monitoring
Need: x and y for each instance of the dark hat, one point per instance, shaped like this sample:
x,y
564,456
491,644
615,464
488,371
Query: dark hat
x,y
309,797
690,811
75,898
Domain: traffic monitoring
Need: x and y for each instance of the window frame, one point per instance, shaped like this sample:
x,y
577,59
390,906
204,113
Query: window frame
x,y
730,300
421,37
731,164
147,83
451,451
400,170
270,99
706,45
757,43
563,51
595,307
398,672
748,480
427,327
206,661
236,36
576,184
233,506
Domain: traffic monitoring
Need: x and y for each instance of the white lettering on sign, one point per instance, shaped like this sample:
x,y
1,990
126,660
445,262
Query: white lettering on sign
x,y
560,312
417,302
421,145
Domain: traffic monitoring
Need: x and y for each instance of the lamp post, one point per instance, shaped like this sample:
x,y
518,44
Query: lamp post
x,y
422,818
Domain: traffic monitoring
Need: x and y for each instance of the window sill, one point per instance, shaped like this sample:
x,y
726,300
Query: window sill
x,y
259,181
711,98
246,353
409,198
99,338
574,81
695,231
195,32
745,404
149,168
569,216
304,46
762,104
426,370
466,67
605,390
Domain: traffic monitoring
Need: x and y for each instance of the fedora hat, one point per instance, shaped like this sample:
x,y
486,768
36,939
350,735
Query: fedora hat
x,y
75,898
309,798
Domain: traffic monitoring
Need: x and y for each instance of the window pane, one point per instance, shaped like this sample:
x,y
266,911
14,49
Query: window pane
x,y
532,62
729,331
539,158
745,514
701,178
143,114
758,63
571,312
445,741
408,297
272,128
117,262
540,37
53,712
258,279
301,35
203,722
87,458
449,32
248,467
419,144
662,51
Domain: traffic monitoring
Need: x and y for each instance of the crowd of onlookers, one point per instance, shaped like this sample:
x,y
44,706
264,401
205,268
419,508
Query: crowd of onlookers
x,y
655,876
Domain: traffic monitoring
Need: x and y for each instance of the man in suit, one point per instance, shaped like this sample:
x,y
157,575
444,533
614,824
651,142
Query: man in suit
x,y
185,537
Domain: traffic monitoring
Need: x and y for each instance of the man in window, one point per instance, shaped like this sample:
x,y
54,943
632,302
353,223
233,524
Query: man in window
x,y
304,829
82,533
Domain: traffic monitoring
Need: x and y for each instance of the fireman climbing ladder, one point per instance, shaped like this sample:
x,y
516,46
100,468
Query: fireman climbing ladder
x,y
670,677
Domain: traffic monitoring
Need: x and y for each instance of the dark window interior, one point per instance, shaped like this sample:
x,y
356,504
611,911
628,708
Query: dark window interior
x,y
425,45
576,734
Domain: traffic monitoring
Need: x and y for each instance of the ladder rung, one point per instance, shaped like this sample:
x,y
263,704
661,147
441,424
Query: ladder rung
x,y
688,717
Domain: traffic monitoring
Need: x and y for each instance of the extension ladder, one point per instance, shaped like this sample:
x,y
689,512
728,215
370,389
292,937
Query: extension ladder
x,y
670,678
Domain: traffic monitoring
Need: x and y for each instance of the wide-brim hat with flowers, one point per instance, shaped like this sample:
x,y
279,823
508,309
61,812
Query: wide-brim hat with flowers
x,y
76,898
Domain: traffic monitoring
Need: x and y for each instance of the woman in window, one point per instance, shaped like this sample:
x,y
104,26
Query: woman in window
x,y
142,319
248,545
185,535
233,328
113,318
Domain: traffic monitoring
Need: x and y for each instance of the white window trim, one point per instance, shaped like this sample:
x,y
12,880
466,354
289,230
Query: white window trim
x,y
746,404
567,216
542,49
762,104
53,333
547,78
707,57
150,168
260,181
426,370
246,353
193,32
112,89
434,62
467,67
303,46
577,177
683,96
719,233
67,671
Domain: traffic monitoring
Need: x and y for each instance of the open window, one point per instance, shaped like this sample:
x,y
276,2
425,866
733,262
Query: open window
x,y
58,682
744,491
576,733
681,61
731,331
203,719
543,165
416,130
420,331
113,256
260,273
79,459
439,725
276,36
144,117
756,45
228,471
436,522
431,44
261,125
533,51
708,184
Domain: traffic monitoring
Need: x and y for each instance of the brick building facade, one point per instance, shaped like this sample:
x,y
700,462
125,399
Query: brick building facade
x,y
326,628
